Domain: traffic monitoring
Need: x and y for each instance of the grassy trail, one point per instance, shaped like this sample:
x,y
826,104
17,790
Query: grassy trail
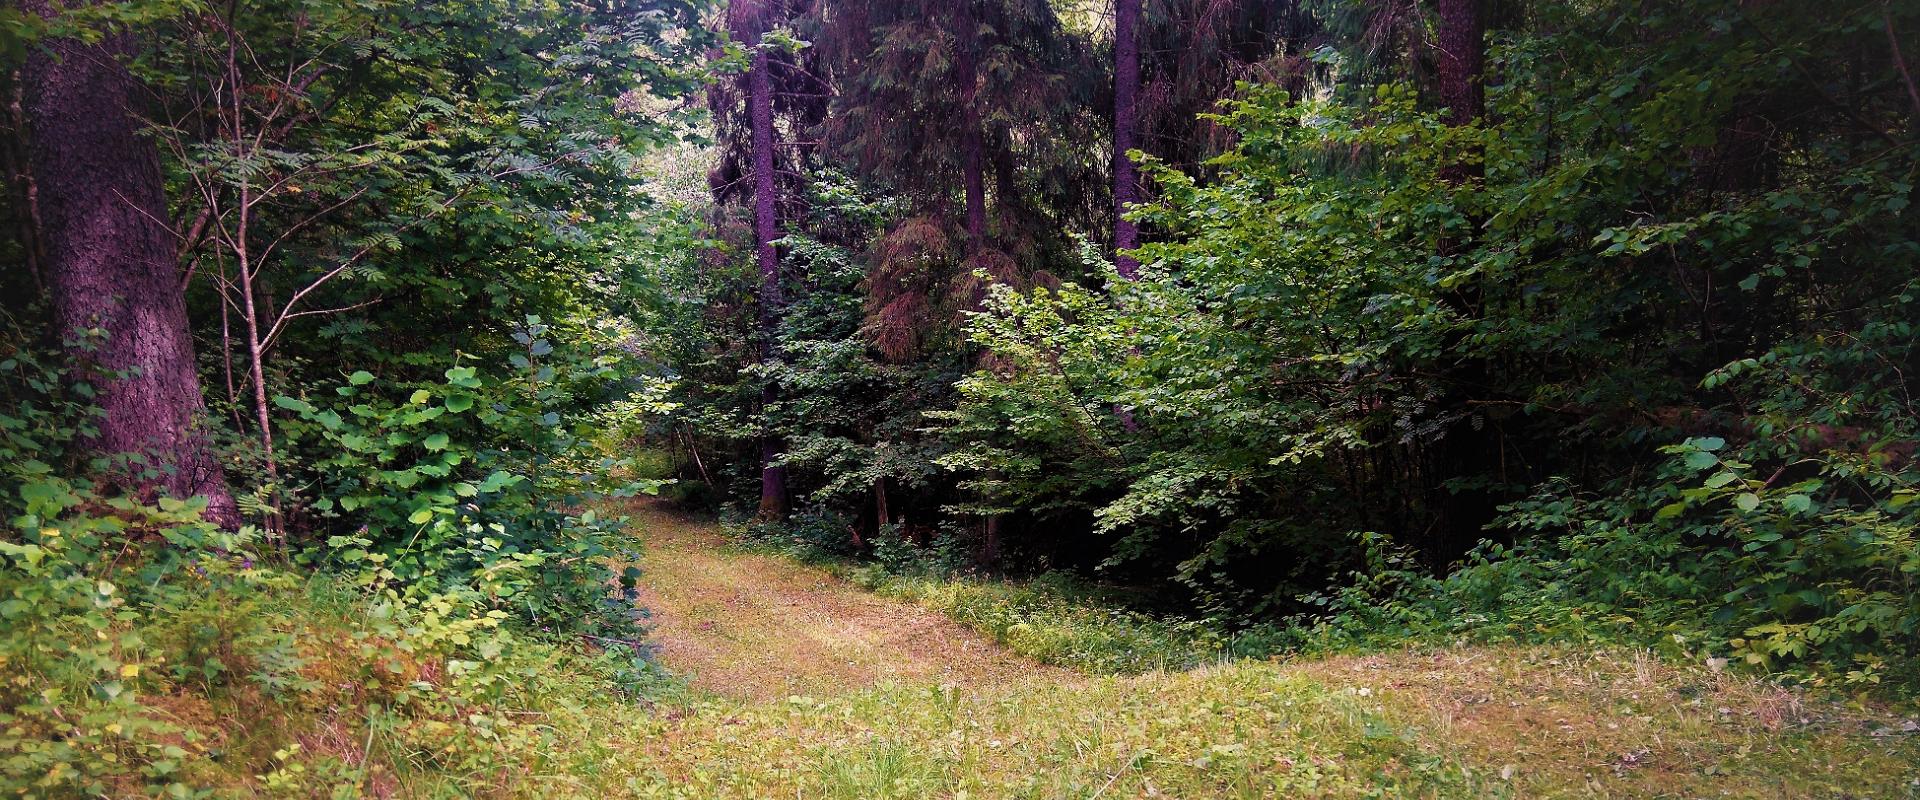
x,y
758,627
809,688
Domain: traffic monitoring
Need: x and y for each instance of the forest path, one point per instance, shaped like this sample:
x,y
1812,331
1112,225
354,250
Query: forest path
x,y
758,627
807,686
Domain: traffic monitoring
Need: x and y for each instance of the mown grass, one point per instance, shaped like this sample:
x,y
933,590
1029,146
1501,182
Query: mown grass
x,y
1458,722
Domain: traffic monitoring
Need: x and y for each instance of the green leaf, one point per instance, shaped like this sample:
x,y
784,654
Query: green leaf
x,y
436,442
360,378
500,479
463,377
420,516
420,396
293,404
1747,501
457,403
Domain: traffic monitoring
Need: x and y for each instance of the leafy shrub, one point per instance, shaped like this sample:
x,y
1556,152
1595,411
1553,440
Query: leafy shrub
x,y
478,485
947,556
1339,333
1713,556
150,653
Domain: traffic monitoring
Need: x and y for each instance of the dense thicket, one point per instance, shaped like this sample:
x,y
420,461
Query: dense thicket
x,y
408,243
1609,301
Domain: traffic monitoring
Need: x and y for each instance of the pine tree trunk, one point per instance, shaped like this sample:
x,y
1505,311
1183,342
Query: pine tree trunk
x,y
972,147
773,478
112,263
976,184
1460,73
1126,177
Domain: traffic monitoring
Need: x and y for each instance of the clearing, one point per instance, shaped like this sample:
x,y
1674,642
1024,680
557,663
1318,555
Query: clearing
x,y
808,687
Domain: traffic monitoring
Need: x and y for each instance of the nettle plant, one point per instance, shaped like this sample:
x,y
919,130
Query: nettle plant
x,y
478,485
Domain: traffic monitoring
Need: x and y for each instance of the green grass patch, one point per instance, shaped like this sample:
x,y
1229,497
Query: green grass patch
x,y
1470,722
1055,620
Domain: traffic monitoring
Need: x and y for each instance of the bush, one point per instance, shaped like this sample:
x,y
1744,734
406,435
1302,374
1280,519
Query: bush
x,y
150,653
1714,556
479,485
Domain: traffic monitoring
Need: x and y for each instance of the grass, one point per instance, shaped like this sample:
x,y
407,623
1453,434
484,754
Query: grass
x,y
1452,721
1467,722
1056,622
804,685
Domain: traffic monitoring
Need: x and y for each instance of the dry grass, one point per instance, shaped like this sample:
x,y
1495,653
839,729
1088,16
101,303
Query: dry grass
x,y
1623,723
754,626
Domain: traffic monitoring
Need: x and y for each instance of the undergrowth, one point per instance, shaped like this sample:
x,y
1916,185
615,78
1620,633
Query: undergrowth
x,y
1601,582
149,653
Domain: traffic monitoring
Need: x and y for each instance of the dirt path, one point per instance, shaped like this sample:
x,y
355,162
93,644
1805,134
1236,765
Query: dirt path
x,y
756,627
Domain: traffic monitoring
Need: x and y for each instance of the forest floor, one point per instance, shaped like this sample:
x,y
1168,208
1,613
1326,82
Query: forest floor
x,y
806,686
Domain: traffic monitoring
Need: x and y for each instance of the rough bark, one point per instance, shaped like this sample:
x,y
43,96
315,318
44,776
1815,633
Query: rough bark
x,y
1460,73
112,264
766,228
975,183
1126,177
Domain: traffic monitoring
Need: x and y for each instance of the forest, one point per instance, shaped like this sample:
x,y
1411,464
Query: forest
x,y
959,398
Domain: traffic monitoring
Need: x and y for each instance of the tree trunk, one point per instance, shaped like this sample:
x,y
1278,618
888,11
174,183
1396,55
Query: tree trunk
x,y
773,478
112,263
1466,450
972,147
1126,177
1460,72
975,181
257,367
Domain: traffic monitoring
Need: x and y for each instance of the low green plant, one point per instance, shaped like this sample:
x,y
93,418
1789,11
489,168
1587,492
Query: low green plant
x,y
1714,556
479,486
